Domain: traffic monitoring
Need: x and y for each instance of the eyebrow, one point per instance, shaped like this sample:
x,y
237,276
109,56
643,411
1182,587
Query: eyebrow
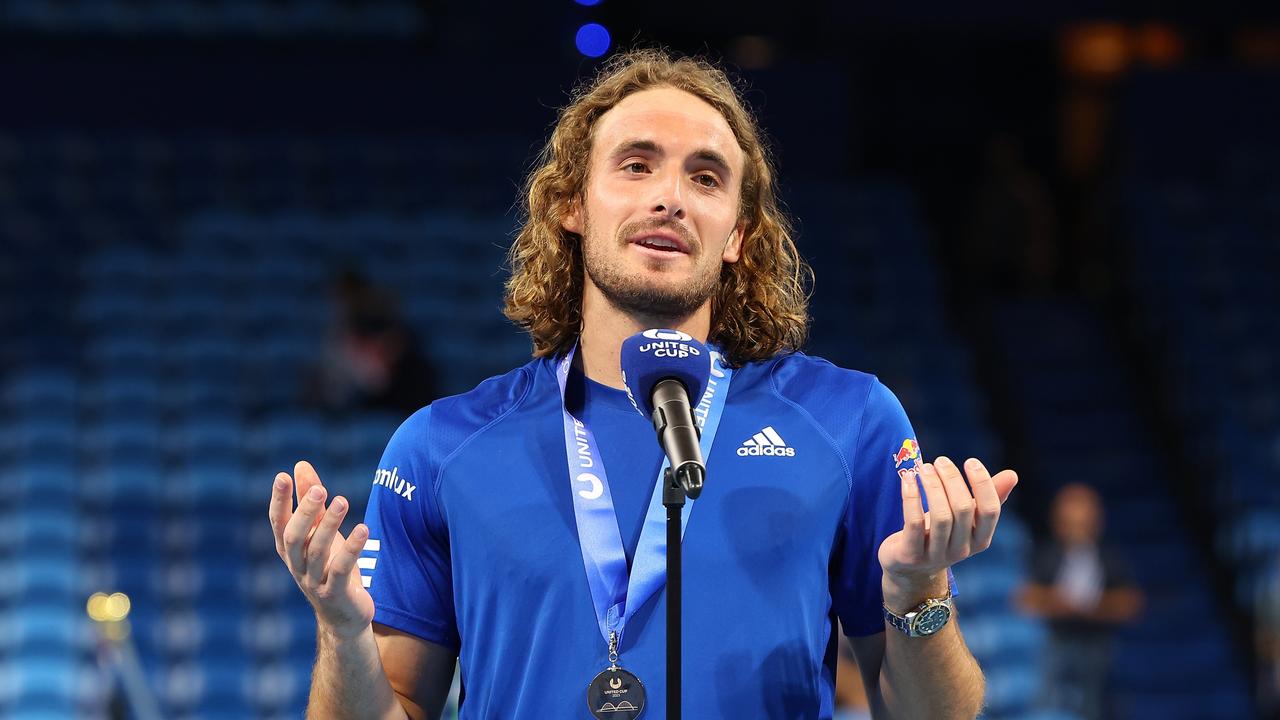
x,y
648,146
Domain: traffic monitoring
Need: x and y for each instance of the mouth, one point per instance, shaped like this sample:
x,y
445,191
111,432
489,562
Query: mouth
x,y
661,242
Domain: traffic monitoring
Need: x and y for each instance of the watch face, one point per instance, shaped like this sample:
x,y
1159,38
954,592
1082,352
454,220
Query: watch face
x,y
931,620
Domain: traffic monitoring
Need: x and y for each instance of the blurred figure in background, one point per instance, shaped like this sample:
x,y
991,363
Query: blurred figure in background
x,y
1084,592
372,359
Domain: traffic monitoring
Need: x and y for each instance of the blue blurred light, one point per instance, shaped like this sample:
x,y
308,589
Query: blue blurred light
x,y
588,3
592,40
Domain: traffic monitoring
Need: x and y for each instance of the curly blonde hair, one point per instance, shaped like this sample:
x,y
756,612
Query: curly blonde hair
x,y
761,306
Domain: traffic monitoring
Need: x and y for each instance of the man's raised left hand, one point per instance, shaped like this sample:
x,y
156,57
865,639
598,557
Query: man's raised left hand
x,y
960,523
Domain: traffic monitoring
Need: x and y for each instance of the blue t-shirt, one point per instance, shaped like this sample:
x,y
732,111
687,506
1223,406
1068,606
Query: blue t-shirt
x,y
473,542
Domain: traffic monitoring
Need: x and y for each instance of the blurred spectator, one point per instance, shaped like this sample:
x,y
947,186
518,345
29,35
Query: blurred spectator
x,y
1014,240
1084,592
372,359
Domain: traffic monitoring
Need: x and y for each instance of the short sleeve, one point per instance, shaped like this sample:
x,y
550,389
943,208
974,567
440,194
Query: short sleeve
x,y
406,563
885,451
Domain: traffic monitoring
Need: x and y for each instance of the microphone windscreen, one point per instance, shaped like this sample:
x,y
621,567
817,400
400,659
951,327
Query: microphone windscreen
x,y
656,355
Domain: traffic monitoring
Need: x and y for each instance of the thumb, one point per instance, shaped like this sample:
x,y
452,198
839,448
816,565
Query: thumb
x,y
1005,480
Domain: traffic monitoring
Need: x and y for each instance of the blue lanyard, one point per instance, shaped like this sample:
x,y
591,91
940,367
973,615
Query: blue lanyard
x,y
615,593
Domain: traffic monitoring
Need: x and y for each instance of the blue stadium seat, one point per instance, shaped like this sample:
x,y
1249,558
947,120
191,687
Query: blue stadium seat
x,y
51,529
290,267
288,437
29,390
279,310
133,440
209,482
270,582
278,687
45,687
134,391
43,480
215,394
59,629
206,351
222,583
197,304
38,437
180,635
119,266
46,575
287,346
181,687
226,681
99,315
204,437
267,633
987,583
135,481
123,354
1011,689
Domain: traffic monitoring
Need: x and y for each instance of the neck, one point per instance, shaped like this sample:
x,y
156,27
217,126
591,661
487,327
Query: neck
x,y
604,327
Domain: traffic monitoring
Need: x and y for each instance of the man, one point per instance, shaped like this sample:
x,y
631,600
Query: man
x,y
653,206
1085,592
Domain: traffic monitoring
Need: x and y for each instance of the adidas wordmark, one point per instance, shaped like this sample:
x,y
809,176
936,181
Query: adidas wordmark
x,y
767,442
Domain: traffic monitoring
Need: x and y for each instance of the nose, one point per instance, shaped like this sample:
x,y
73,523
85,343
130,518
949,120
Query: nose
x,y
669,201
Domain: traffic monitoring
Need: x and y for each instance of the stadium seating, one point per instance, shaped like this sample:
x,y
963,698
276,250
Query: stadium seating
x,y
1082,424
1202,222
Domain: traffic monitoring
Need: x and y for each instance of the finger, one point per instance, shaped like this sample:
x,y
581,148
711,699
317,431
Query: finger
x,y
346,555
1005,480
307,478
280,509
318,549
939,517
299,528
961,503
913,531
987,501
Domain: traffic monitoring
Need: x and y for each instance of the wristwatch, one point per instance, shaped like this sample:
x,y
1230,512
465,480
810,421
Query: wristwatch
x,y
926,619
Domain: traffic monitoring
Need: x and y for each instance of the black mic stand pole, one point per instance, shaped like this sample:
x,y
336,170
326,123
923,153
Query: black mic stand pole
x,y
673,495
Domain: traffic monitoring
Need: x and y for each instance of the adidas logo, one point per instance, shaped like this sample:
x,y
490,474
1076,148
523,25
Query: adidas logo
x,y
766,442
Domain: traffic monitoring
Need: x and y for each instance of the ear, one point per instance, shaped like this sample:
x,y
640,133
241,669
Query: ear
x,y
571,221
733,245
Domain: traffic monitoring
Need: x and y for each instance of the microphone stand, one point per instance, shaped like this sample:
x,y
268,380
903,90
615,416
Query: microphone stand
x,y
673,496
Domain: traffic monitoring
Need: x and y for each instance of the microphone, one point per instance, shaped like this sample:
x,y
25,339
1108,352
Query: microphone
x,y
664,370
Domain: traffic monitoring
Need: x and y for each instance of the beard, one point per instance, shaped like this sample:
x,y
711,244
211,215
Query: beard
x,y
636,295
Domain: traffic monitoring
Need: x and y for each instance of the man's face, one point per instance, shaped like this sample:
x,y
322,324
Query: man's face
x,y
1077,516
660,212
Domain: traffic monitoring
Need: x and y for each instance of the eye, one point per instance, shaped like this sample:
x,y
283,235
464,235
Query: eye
x,y
707,180
631,167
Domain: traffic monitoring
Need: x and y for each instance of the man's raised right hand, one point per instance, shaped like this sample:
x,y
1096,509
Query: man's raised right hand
x,y
323,562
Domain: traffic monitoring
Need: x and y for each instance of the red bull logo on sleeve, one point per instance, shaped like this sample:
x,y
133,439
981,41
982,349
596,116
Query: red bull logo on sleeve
x,y
910,450
908,453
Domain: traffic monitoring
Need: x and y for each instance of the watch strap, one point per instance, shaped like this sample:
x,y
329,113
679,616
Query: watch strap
x,y
904,622
898,621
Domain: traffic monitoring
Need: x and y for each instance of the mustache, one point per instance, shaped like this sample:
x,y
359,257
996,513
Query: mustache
x,y
632,229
